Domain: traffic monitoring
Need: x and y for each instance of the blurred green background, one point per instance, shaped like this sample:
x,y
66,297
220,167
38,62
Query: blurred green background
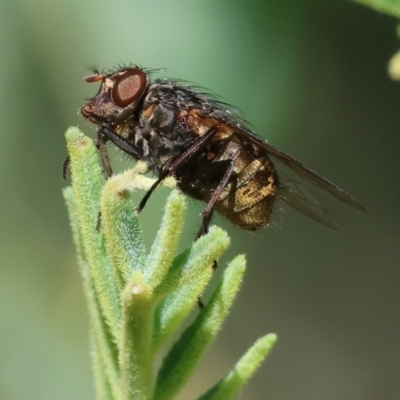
x,y
311,77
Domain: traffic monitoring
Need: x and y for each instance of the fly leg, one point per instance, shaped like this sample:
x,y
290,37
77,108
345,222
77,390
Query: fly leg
x,y
129,148
104,133
105,160
169,169
194,148
149,192
101,146
66,165
208,211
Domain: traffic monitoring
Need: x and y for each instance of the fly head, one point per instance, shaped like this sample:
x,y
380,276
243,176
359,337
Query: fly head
x,y
118,97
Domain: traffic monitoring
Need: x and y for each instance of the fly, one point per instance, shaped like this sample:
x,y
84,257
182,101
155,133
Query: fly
x,y
208,149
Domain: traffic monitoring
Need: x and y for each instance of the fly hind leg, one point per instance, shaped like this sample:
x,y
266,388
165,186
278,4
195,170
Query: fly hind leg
x,y
207,213
209,210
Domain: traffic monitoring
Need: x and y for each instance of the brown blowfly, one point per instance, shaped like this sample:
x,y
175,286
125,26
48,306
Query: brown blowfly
x,y
182,132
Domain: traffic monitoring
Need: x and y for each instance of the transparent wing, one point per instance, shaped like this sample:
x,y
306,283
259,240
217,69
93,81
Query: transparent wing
x,y
309,175
293,191
295,180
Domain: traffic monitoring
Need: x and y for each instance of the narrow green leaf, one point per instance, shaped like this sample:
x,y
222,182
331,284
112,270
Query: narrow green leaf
x,y
185,282
175,308
164,246
102,385
230,386
69,197
201,255
136,356
104,352
87,181
104,349
186,353
121,227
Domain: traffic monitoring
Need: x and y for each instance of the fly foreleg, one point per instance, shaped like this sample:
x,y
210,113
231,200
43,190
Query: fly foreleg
x,y
124,144
101,145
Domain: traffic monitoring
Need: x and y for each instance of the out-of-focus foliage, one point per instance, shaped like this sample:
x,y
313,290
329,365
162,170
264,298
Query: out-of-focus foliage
x,y
311,76
391,7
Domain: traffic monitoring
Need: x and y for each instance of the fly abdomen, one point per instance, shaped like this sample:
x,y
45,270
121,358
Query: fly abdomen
x,y
248,199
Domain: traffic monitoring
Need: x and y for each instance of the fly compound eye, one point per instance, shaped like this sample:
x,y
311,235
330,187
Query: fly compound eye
x,y
128,87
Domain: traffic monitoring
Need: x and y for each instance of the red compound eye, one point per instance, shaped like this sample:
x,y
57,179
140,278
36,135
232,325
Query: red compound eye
x,y
128,87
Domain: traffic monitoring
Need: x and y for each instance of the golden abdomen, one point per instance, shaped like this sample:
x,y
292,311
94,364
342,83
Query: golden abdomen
x,y
248,199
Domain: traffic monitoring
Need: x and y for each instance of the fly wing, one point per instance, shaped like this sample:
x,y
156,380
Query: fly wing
x,y
296,180
303,172
309,175
293,191
294,177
